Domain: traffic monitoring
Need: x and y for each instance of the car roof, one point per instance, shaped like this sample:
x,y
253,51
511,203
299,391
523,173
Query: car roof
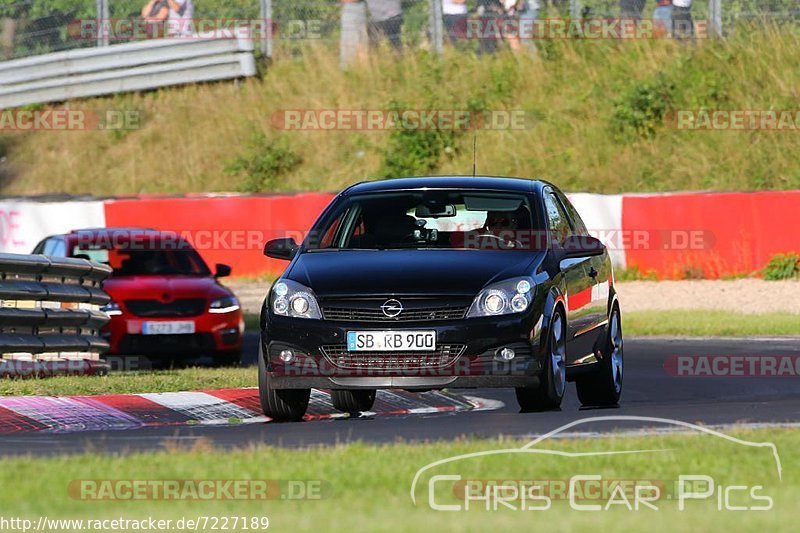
x,y
118,234
494,183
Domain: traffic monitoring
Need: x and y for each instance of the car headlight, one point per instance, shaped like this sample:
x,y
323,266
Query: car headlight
x,y
111,309
289,298
503,298
228,304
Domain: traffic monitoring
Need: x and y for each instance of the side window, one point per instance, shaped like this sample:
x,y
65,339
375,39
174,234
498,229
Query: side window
x,y
577,222
59,248
39,248
557,220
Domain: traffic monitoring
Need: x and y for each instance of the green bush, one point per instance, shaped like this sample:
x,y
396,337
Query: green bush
x,y
782,266
263,163
642,108
411,151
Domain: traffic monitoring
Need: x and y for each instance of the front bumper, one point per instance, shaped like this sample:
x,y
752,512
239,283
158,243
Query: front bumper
x,y
468,360
213,333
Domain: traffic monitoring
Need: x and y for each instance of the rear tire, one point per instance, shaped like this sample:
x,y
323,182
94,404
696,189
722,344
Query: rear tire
x,y
282,405
604,388
353,401
550,392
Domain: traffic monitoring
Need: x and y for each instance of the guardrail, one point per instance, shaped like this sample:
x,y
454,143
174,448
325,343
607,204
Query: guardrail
x,y
123,68
50,316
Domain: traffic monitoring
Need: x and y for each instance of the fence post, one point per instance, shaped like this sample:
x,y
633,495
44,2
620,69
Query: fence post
x,y
437,26
102,22
266,28
575,9
715,16
354,32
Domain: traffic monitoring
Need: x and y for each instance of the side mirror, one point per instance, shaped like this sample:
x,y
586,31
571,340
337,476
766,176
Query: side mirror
x,y
223,271
582,246
281,249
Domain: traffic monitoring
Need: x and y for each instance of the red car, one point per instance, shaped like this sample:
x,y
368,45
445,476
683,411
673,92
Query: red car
x,y
165,300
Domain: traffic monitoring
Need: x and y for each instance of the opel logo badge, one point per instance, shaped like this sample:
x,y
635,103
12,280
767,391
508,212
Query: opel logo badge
x,y
392,308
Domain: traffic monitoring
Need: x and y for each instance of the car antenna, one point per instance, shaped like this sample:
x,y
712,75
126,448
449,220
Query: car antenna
x,y
474,152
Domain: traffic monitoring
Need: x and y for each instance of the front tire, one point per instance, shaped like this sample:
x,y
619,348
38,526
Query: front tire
x,y
282,405
550,392
604,388
353,401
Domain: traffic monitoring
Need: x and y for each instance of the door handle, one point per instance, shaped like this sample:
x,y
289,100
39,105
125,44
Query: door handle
x,y
592,273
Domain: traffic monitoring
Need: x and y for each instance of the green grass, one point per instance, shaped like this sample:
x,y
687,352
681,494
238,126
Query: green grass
x,y
697,323
184,379
597,121
366,487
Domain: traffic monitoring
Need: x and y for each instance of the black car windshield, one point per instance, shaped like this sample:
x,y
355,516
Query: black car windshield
x,y
465,219
145,262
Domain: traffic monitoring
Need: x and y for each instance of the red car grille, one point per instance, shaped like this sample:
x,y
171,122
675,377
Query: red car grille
x,y
158,309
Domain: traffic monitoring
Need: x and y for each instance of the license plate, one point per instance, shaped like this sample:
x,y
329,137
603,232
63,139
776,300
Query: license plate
x,y
168,328
391,341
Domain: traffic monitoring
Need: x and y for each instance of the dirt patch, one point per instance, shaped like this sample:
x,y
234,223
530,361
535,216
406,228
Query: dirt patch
x,y
751,296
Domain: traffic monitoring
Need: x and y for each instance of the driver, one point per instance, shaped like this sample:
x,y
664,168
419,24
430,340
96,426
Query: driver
x,y
505,226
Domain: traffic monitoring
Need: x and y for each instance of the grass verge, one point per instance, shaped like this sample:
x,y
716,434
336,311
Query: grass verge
x,y
599,118
694,323
366,487
184,379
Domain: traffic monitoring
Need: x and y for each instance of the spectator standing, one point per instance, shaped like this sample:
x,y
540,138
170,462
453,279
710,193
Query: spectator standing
x,y
155,13
682,23
386,20
455,19
662,18
354,31
631,9
181,16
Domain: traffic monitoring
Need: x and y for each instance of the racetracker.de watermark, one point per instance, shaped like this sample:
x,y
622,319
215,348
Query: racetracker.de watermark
x,y
197,489
399,119
733,366
70,119
734,120
138,29
460,237
560,29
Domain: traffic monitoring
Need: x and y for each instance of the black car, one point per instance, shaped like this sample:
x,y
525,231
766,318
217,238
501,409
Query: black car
x,y
427,283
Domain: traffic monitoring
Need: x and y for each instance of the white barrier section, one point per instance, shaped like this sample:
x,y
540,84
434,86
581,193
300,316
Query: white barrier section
x,y
603,217
24,223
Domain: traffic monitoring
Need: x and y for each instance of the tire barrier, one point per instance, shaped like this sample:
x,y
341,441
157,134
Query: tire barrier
x,y
50,317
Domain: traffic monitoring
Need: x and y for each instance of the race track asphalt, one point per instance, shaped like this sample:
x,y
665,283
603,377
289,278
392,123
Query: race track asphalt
x,y
650,391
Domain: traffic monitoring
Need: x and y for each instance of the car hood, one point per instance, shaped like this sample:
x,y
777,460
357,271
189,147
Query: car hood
x,y
157,287
398,272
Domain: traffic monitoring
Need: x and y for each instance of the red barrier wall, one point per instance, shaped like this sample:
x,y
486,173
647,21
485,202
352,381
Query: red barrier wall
x,y
720,233
230,230
741,231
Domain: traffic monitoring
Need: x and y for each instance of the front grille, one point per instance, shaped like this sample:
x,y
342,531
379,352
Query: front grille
x,y
443,356
158,309
371,312
198,343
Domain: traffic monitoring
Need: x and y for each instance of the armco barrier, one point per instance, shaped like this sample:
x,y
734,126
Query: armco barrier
x,y
50,315
121,68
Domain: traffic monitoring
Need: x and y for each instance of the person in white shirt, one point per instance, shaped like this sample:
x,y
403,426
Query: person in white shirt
x,y
455,17
682,23
180,21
